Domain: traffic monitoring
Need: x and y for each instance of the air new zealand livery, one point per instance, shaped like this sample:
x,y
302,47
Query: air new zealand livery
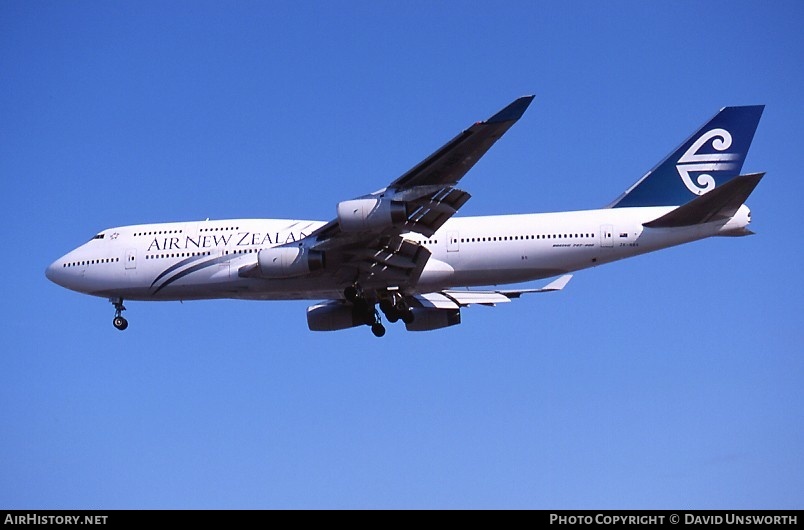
x,y
399,252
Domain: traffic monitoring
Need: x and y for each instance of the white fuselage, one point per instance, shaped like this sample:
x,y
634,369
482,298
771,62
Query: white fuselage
x,y
198,260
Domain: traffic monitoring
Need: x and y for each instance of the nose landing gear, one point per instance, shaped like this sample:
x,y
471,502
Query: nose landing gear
x,y
119,322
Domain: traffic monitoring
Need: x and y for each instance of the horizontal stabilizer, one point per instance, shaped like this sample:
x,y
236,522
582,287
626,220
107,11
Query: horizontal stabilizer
x,y
719,204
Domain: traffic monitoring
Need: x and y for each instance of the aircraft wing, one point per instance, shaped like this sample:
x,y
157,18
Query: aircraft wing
x,y
446,166
427,190
457,298
363,244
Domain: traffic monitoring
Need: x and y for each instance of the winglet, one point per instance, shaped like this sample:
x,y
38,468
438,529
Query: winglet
x,y
512,112
556,285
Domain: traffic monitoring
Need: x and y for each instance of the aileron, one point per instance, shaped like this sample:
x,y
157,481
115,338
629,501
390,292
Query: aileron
x,y
452,161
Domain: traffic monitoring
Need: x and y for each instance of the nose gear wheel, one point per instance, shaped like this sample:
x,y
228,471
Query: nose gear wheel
x,y
119,321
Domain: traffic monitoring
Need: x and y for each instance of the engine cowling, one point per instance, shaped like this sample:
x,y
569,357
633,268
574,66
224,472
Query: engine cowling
x,y
425,319
361,215
331,316
287,262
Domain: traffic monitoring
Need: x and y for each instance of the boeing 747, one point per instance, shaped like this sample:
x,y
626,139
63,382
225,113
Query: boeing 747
x,y
399,252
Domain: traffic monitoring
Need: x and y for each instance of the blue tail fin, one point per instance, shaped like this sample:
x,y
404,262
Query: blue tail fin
x,y
712,156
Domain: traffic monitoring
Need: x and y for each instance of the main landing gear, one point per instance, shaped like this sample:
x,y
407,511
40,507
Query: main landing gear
x,y
393,307
119,322
378,329
363,311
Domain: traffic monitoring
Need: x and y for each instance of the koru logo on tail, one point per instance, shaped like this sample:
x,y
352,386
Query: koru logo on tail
x,y
693,162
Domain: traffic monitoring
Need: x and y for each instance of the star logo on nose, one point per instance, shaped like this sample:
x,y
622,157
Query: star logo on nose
x,y
114,236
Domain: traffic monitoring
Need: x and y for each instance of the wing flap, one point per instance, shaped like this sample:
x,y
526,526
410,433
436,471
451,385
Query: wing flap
x,y
464,298
452,298
391,261
435,301
431,212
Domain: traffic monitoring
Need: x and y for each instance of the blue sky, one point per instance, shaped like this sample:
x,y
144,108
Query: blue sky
x,y
672,380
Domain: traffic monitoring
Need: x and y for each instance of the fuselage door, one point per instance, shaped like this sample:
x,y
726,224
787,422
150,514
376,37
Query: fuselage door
x,y
607,236
453,241
131,258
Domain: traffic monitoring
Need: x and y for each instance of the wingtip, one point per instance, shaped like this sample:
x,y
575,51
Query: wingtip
x,y
512,112
558,284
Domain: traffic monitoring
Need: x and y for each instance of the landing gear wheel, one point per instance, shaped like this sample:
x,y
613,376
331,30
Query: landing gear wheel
x,y
386,305
119,322
351,293
407,317
378,329
388,308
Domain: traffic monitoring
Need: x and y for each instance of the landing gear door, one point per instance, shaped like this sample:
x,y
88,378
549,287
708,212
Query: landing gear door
x,y
131,258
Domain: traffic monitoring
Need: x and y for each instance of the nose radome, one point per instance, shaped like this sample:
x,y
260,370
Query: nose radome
x,y
50,272
53,272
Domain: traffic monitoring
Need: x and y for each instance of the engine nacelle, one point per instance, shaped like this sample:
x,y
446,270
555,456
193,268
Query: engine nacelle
x,y
287,262
425,319
361,215
331,316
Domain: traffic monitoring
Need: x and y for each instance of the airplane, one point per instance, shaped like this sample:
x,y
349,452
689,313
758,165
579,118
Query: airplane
x,y
401,250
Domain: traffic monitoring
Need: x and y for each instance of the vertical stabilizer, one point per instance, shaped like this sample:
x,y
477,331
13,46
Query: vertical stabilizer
x,y
712,156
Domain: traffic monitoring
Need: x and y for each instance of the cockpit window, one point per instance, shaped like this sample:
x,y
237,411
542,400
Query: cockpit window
x,y
99,236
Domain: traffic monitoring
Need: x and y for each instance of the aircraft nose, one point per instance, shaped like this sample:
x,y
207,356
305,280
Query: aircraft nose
x,y
52,272
56,274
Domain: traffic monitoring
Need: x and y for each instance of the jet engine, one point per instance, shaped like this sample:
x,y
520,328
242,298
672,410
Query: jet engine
x,y
425,319
332,316
361,215
287,262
